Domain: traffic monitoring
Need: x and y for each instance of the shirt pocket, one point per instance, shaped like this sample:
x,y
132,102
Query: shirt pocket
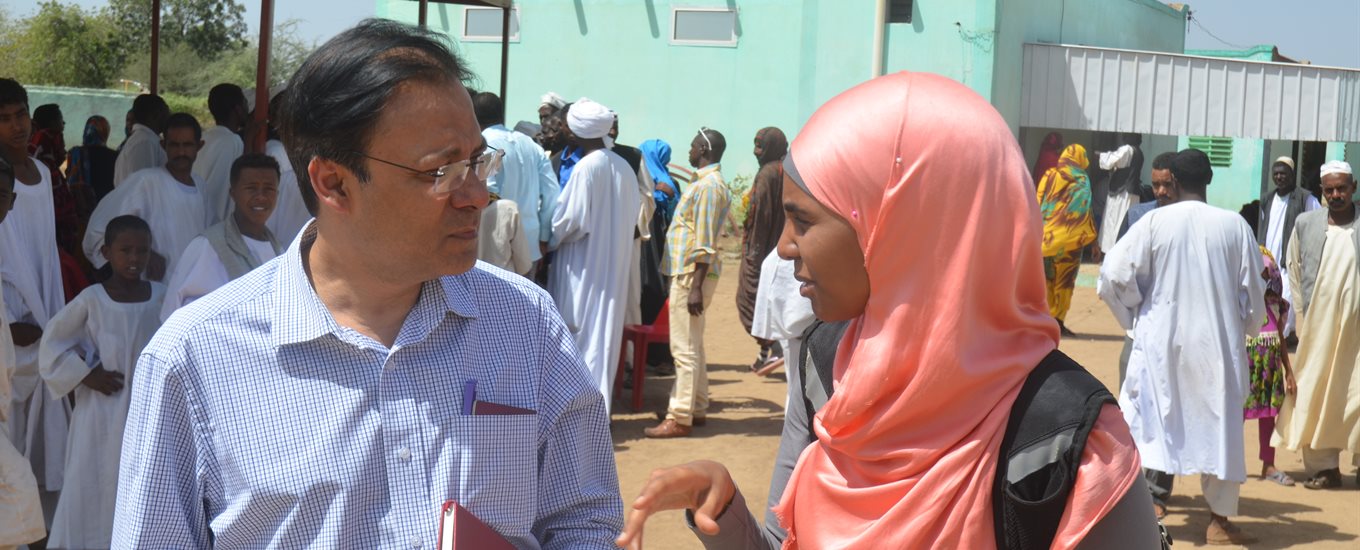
x,y
493,471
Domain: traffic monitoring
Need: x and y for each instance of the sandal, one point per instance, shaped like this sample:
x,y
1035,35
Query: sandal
x,y
1326,479
1281,478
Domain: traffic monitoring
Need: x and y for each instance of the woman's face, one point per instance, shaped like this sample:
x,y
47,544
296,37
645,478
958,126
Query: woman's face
x,y
826,255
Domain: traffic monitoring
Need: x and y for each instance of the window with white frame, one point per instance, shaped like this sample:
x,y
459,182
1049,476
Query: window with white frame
x,y
484,24
704,26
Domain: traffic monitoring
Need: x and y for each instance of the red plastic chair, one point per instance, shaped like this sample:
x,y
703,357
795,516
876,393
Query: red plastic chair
x,y
659,332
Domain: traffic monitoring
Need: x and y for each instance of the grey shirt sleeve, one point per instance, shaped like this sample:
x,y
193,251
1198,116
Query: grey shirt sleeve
x,y
737,527
1129,525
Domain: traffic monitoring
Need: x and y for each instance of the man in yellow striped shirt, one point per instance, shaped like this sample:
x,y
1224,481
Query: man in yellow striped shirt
x,y
693,264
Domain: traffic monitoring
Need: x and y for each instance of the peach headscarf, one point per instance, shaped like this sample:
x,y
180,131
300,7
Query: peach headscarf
x,y
932,181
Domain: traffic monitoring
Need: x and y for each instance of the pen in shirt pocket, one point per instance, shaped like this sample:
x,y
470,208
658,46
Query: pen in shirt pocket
x,y
469,396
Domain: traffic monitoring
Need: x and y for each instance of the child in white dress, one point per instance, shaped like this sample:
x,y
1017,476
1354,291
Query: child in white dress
x,y
90,349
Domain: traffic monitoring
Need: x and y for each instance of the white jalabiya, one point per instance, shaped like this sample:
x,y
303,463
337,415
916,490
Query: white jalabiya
x,y
212,169
94,330
200,271
1325,412
781,312
501,240
173,210
594,222
290,212
22,520
31,271
1189,274
140,151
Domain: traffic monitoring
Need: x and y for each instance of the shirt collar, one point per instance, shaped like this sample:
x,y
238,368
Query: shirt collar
x,y
707,170
300,316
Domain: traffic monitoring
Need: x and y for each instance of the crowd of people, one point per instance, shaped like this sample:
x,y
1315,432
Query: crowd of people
x,y
397,308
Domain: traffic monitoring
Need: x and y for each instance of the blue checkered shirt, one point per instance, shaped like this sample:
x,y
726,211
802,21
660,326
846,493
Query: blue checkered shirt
x,y
258,421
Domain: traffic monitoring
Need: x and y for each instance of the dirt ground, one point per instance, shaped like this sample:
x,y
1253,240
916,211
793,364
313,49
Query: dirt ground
x,y
746,417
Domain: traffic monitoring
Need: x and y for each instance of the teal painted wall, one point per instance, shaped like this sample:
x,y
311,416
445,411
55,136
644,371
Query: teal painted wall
x,y
78,104
954,39
1240,183
790,57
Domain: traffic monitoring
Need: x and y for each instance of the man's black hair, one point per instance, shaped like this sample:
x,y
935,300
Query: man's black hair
x,y
1192,170
123,224
46,116
11,91
1163,161
719,143
147,108
223,99
489,108
184,120
252,160
334,100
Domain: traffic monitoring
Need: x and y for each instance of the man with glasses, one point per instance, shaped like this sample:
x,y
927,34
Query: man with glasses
x,y
351,391
593,227
693,263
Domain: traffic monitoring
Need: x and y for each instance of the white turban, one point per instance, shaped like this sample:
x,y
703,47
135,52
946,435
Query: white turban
x,y
552,99
589,120
1285,161
1337,167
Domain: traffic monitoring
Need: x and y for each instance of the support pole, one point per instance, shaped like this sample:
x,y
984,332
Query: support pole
x,y
424,12
505,49
155,44
262,79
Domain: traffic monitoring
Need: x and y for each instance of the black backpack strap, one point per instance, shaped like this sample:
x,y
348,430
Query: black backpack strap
x,y
1041,451
820,342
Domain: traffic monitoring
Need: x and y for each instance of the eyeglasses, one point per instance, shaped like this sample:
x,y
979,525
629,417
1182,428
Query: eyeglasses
x,y
703,133
447,176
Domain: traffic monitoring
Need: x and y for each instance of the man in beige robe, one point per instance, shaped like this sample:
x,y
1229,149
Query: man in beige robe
x,y
1322,417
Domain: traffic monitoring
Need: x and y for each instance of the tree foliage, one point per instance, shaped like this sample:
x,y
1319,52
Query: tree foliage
x,y
61,44
209,27
203,43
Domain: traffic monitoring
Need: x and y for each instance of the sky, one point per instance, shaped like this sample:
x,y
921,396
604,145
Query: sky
x,y
1325,32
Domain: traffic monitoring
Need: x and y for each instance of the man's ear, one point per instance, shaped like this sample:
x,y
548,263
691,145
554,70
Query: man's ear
x,y
332,183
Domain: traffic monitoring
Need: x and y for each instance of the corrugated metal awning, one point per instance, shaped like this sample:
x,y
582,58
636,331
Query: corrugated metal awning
x,y
1102,89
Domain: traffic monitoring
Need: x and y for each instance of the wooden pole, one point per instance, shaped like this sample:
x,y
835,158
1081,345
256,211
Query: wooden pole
x,y
262,78
155,44
424,12
505,50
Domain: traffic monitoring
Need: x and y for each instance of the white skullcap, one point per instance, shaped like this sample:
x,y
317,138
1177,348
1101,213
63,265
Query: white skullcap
x,y
552,99
1285,161
1337,167
590,120
274,92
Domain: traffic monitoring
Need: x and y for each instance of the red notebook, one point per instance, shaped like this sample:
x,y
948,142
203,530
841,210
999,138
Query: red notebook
x,y
460,530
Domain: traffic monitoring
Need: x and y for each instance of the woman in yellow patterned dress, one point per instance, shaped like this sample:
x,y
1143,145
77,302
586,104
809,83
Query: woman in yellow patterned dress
x,y
1065,203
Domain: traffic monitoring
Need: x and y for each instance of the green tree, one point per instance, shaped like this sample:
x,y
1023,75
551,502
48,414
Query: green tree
x,y
61,45
209,27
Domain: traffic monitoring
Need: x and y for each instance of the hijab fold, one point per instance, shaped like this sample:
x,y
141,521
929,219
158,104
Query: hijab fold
x,y
955,320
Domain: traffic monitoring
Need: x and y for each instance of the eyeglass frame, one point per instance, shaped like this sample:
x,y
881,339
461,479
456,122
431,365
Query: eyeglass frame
x,y
440,172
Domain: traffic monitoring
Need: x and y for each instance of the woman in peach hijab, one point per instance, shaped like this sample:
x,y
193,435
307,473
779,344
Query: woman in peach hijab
x,y
936,261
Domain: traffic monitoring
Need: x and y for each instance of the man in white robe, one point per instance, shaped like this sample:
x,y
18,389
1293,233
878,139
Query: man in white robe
x,y
1280,208
142,149
1123,187
221,146
501,240
33,293
1187,280
593,225
290,213
234,246
526,176
1322,416
22,521
167,198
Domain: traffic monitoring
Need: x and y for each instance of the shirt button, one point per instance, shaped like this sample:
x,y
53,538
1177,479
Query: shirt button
x,y
416,543
404,454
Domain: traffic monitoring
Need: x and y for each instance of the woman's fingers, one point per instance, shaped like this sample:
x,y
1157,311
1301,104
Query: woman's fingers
x,y
688,486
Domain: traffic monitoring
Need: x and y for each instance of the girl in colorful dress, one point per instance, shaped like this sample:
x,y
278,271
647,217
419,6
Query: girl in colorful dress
x,y
1271,375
